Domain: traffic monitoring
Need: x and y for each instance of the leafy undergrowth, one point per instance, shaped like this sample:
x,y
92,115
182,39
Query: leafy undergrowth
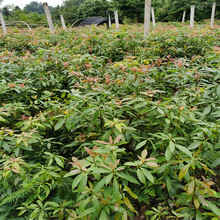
x,y
104,124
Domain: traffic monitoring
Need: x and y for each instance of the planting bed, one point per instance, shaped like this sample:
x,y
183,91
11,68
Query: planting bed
x,y
105,124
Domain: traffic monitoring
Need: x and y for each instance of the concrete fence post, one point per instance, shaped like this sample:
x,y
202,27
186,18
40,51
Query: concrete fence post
x,y
116,19
3,22
192,15
184,15
63,22
109,20
153,17
147,10
213,15
49,20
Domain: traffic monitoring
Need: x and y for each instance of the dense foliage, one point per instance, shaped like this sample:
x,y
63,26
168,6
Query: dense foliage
x,y
105,124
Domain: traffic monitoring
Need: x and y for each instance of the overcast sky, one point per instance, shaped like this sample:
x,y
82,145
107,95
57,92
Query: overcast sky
x,y
22,3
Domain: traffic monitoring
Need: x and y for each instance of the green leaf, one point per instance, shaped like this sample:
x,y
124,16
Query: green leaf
x,y
59,124
198,215
160,111
2,119
202,199
128,204
184,150
72,173
218,91
95,116
207,109
54,204
118,127
127,189
147,174
214,208
59,161
168,183
196,203
164,167
95,202
191,187
140,145
216,162
115,190
21,212
87,212
99,185
125,216
68,124
168,154
103,215
194,145
182,119
108,178
149,212
6,146
41,216
192,116
171,146
83,182
167,120
144,154
141,176
183,171
100,170
127,177
77,180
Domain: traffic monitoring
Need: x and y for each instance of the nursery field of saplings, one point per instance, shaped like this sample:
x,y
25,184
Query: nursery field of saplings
x,y
106,124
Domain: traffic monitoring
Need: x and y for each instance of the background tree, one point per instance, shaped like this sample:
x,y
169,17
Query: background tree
x,y
69,10
90,8
6,11
35,7
130,9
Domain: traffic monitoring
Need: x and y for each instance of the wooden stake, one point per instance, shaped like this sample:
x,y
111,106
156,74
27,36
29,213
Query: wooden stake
x,y
63,22
153,17
3,23
192,15
213,15
184,15
49,20
147,17
116,19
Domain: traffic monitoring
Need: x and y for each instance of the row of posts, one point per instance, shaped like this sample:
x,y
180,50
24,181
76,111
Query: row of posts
x,y
148,11
192,15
